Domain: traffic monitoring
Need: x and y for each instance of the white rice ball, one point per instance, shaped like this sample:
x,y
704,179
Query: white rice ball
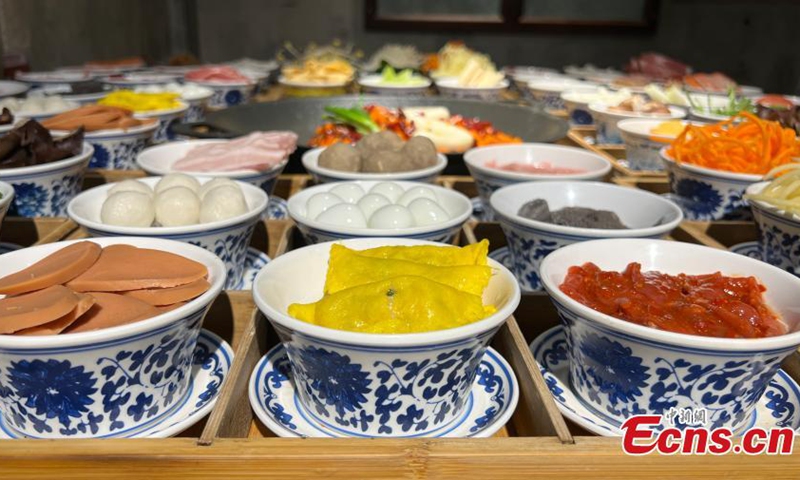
x,y
222,202
177,180
177,206
216,182
128,209
131,186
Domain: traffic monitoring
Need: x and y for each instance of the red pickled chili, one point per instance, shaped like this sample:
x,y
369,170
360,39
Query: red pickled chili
x,y
711,305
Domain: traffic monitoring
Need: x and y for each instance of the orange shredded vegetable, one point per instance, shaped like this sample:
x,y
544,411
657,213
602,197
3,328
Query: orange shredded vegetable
x,y
742,144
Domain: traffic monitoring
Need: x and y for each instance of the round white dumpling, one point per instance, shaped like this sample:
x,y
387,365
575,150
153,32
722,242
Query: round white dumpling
x,y
226,201
427,212
391,216
214,183
128,209
131,186
177,206
415,193
177,180
319,202
348,192
390,190
371,202
343,215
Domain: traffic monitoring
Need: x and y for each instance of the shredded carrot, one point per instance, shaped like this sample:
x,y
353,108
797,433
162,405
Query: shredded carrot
x,y
742,144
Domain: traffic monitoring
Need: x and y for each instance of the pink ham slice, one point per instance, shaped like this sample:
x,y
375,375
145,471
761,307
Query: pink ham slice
x,y
257,151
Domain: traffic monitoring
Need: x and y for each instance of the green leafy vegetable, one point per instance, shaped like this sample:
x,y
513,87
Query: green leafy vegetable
x,y
356,117
735,105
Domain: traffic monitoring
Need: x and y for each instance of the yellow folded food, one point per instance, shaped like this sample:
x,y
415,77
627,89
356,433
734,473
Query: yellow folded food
x,y
406,304
474,254
140,102
348,268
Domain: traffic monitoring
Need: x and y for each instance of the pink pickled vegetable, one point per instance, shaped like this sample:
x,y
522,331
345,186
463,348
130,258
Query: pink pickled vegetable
x,y
257,151
541,167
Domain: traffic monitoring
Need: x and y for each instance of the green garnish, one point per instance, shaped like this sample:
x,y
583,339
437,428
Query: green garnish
x,y
356,117
735,105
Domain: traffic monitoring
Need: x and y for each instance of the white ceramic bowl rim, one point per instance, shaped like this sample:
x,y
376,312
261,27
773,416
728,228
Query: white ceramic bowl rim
x,y
676,113
742,177
217,84
559,85
375,81
22,114
452,84
292,83
768,207
200,228
681,340
386,339
311,163
215,267
295,202
112,132
529,187
469,159
85,155
634,126
157,170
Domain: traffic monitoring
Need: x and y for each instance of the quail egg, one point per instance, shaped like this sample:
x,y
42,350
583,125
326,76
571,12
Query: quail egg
x,y
348,192
414,193
319,202
343,215
371,202
390,190
427,212
391,217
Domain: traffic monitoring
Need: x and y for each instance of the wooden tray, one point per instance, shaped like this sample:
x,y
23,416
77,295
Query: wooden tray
x,y
586,137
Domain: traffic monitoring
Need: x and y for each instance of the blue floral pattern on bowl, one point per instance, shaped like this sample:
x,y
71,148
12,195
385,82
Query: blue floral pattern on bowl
x,y
779,238
163,132
607,131
102,390
703,197
616,375
550,100
229,96
486,186
118,152
582,117
642,153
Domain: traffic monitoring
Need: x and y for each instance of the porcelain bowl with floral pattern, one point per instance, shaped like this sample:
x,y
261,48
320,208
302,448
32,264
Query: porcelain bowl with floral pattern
x,y
706,194
324,175
488,180
778,233
619,369
641,146
158,161
607,121
46,190
456,204
116,149
113,382
229,94
228,239
377,385
548,91
165,120
6,196
530,241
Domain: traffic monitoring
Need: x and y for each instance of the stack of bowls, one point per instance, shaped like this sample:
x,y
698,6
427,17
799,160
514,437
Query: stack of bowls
x,y
530,241
642,148
607,120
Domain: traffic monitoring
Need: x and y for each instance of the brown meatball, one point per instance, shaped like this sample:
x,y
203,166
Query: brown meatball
x,y
376,142
385,161
420,152
340,156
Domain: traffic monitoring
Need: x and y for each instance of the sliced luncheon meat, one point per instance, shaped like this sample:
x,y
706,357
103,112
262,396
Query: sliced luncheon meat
x,y
55,269
122,267
36,308
168,296
112,310
85,302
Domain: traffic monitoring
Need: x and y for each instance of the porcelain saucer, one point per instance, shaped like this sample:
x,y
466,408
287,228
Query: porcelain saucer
x,y
748,249
778,407
254,262
272,396
212,361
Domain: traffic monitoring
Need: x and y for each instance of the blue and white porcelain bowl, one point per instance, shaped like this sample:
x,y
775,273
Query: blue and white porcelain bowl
x,y
325,175
619,369
6,196
606,121
106,383
778,232
46,190
376,385
197,106
577,101
488,179
456,204
165,120
706,194
140,79
158,160
530,241
449,87
228,239
117,149
642,147
228,94
548,91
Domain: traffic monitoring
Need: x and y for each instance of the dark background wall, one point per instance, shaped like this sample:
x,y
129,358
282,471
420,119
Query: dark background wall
x,y
755,42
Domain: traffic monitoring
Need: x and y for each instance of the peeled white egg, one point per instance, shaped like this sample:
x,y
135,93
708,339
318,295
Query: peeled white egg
x,y
128,209
131,186
348,192
177,180
319,202
225,201
390,190
343,215
371,202
177,206
391,216
427,212
415,193
214,183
